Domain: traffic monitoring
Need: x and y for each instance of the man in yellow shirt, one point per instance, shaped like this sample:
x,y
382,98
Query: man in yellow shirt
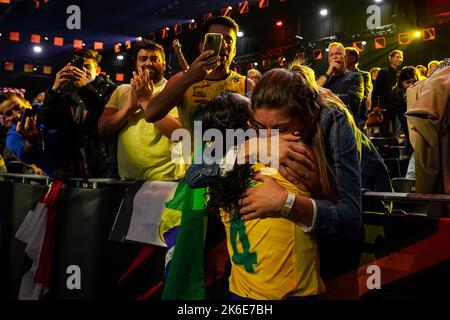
x,y
207,77
144,149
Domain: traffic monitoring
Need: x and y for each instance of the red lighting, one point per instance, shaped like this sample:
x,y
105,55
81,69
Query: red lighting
x,y
279,24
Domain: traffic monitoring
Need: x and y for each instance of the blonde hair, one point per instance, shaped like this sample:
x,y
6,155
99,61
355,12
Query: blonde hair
x,y
336,44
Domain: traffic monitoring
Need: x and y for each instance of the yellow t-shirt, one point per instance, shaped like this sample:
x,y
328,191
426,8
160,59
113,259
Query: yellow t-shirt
x,y
191,106
272,258
143,152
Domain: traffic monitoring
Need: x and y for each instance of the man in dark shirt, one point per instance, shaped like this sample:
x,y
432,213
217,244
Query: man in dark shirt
x,y
73,106
352,62
382,90
347,85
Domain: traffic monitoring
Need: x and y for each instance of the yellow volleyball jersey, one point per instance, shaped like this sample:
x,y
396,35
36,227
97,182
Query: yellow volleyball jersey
x,y
272,258
195,97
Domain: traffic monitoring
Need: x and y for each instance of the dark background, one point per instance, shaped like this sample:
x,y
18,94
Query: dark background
x,y
117,21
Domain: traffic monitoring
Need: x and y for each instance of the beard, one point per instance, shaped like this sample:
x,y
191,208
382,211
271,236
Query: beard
x,y
155,74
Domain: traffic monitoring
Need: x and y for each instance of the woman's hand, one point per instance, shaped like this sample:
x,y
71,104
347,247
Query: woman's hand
x,y
263,201
298,164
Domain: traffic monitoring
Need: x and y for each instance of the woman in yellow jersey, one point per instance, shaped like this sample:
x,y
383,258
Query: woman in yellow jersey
x,y
271,258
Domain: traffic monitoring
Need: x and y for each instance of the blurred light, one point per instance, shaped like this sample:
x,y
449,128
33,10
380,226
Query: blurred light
x,y
230,7
417,34
323,12
119,57
37,49
240,34
192,20
364,43
167,28
34,69
255,64
84,44
279,23
327,49
0,34
139,38
46,38
378,1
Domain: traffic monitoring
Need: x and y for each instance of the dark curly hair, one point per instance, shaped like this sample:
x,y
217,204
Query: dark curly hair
x,y
228,111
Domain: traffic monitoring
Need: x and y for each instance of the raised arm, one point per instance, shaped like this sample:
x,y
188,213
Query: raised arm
x,y
181,60
159,106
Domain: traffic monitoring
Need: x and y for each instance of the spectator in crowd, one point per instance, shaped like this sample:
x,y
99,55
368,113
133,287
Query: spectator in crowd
x,y
144,149
429,120
254,75
432,65
407,77
382,90
352,62
20,146
374,74
347,85
73,106
208,76
422,71
177,50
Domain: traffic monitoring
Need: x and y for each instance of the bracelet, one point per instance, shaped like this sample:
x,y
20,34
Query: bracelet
x,y
326,75
288,204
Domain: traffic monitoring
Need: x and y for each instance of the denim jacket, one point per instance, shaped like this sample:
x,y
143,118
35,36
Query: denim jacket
x,y
340,218
343,217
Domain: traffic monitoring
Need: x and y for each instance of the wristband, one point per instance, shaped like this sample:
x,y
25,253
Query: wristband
x,y
288,204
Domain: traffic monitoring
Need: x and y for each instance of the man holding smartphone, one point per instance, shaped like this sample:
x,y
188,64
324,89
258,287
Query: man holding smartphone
x,y
208,76
72,106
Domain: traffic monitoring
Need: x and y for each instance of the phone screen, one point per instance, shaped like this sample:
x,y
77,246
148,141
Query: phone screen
x,y
213,41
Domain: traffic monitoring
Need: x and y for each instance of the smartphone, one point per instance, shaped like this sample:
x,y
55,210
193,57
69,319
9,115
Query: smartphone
x,y
27,113
78,62
213,41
